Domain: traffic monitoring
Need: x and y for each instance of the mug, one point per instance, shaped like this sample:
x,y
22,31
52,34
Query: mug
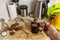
x,y
35,27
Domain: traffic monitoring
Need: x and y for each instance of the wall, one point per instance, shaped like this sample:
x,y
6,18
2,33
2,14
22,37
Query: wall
x,y
30,3
3,10
52,2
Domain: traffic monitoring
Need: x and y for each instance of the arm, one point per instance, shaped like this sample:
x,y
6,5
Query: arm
x,y
54,35
51,32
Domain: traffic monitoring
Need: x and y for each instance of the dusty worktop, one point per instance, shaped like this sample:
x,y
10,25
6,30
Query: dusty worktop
x,y
20,35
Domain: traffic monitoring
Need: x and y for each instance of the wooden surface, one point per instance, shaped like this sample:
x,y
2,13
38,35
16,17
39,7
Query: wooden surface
x,y
20,35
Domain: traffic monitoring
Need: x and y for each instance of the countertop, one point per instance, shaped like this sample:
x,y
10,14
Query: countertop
x,y
20,35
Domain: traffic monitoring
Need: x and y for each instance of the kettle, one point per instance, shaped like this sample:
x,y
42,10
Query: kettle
x,y
41,8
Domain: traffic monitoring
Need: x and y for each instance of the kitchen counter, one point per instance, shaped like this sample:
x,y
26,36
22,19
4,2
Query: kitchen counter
x,y
20,35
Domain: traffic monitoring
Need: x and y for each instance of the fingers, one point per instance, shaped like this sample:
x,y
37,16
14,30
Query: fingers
x,y
44,25
47,27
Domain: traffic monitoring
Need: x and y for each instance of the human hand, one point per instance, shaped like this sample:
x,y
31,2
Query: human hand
x,y
48,29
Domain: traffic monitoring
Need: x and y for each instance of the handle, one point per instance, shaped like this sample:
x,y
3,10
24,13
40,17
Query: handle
x,y
24,31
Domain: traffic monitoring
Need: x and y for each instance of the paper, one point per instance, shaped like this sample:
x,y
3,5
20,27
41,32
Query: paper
x,y
12,10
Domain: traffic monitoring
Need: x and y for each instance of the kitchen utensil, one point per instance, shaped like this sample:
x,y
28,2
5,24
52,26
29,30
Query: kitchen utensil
x,y
41,8
24,10
38,9
21,28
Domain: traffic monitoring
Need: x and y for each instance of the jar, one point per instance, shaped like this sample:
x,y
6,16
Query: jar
x,y
4,25
24,10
